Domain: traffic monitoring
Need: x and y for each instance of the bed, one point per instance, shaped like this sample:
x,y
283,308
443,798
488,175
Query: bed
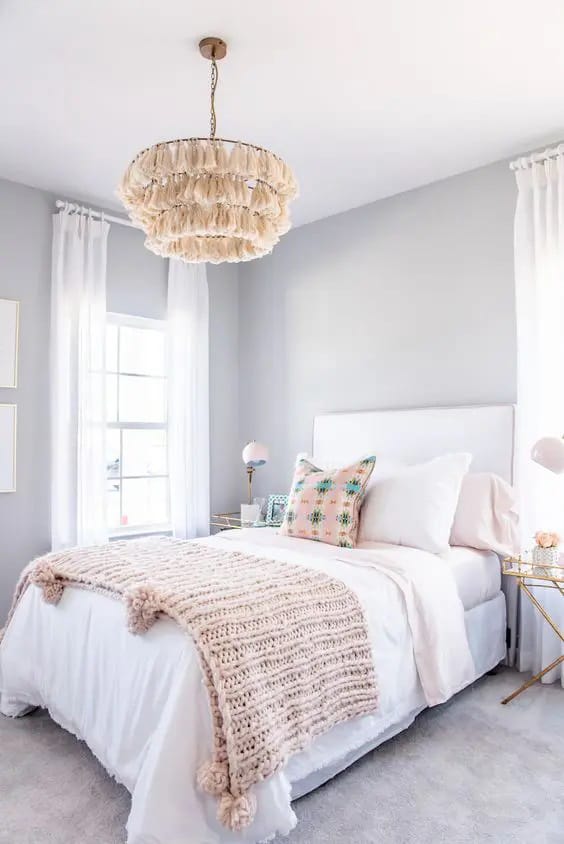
x,y
139,701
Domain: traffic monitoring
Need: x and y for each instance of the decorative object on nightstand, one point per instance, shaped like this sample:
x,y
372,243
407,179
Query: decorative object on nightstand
x,y
262,504
275,510
532,574
545,552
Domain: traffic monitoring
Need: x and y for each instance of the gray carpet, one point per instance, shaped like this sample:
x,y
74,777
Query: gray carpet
x,y
469,771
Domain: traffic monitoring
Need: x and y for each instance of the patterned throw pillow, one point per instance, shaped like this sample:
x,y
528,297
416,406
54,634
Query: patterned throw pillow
x,y
324,505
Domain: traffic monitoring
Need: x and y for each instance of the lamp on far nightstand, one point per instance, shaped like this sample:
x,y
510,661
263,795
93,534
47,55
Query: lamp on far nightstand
x,y
549,452
254,455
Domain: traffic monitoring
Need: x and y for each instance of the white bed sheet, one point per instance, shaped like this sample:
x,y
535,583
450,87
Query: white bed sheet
x,y
477,573
140,702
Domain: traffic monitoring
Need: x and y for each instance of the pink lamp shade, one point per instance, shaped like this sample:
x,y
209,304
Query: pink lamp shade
x,y
255,454
549,452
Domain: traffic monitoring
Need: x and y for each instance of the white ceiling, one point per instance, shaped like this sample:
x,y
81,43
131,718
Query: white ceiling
x,y
364,98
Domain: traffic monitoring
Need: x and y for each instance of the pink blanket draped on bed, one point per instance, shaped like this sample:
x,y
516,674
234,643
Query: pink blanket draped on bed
x,y
284,649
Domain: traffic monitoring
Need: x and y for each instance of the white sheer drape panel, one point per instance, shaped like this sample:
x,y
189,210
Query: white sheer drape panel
x,y
539,277
78,418
188,399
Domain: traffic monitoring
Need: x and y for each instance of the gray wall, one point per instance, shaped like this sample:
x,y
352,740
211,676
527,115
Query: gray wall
x,y
136,285
25,264
136,281
227,480
406,302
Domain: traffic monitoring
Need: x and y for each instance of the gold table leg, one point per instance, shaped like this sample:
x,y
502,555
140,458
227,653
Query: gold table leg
x,y
558,632
542,610
533,680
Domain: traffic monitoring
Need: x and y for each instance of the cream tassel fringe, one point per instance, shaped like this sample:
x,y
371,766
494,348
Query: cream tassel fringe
x,y
208,200
212,220
184,189
194,156
213,250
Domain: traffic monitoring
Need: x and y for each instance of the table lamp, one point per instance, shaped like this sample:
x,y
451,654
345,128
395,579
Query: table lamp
x,y
254,455
549,452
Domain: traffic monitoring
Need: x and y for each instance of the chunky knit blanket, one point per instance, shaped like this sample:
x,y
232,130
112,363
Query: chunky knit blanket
x,y
284,649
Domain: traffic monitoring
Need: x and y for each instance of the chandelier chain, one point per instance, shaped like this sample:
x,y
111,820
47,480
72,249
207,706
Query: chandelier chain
x,y
214,80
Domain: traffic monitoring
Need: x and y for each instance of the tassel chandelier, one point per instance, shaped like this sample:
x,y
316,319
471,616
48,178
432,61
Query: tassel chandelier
x,y
209,199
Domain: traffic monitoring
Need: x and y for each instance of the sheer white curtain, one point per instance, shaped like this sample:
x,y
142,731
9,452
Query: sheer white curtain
x,y
78,320
188,399
539,277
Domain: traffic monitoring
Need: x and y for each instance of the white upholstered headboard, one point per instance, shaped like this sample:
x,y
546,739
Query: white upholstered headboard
x,y
412,436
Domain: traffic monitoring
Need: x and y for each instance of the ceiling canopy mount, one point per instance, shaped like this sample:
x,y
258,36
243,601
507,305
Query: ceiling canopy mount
x,y
213,48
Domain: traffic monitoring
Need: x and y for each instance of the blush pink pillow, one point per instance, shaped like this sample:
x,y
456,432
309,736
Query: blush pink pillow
x,y
486,516
324,505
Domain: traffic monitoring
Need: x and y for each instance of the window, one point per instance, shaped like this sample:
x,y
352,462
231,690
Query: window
x,y
137,467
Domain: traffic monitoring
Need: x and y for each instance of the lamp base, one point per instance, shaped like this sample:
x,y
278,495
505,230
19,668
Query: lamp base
x,y
249,514
250,472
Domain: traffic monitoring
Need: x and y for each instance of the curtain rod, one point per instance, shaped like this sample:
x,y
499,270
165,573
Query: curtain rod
x,y
111,218
537,157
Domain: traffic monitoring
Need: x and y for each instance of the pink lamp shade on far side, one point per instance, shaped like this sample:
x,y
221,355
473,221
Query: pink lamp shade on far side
x,y
255,454
549,452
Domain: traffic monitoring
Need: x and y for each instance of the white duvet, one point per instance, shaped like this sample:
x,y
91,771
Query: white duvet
x,y
140,704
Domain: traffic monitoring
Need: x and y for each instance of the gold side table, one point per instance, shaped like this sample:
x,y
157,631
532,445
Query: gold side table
x,y
231,521
226,521
540,577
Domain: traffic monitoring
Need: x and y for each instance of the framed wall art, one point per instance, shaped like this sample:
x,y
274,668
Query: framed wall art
x,y
8,424
9,329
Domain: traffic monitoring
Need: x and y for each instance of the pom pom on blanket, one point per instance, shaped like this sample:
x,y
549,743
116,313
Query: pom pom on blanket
x,y
236,813
213,778
44,577
143,605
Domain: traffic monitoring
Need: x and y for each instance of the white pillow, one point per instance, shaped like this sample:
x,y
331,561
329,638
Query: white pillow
x,y
486,516
416,505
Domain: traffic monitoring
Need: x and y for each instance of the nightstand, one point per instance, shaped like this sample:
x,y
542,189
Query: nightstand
x,y
537,576
231,521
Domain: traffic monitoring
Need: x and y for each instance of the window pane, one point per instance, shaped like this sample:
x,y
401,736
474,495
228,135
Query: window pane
x,y
111,347
144,452
142,351
141,399
145,502
111,398
112,453
113,511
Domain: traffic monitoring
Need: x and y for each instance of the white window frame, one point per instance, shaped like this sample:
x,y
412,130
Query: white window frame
x,y
121,532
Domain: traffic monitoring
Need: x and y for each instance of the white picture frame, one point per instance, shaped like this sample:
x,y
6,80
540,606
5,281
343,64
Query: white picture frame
x,y
8,435
9,330
276,509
